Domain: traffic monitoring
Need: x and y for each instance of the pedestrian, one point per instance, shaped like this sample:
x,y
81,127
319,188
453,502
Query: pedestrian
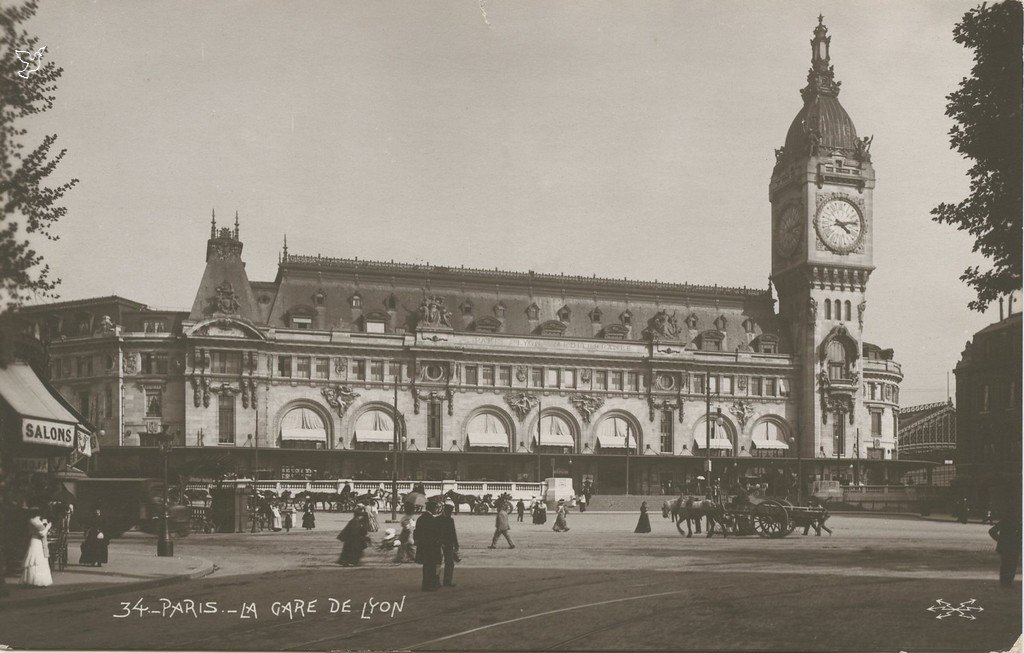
x,y
428,546
371,515
354,539
1007,534
94,546
520,509
502,527
288,519
643,525
583,503
964,511
35,569
308,516
405,551
449,543
560,525
275,518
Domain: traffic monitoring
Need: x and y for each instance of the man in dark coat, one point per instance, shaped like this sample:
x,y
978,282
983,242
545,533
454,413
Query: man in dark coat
x,y
428,546
520,509
449,542
1007,534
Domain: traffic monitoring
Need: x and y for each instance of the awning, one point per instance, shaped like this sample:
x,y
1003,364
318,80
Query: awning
x,y
375,436
479,439
717,443
314,435
44,419
615,442
556,440
769,444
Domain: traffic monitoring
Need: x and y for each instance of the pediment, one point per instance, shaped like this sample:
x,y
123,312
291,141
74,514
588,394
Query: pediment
x,y
224,327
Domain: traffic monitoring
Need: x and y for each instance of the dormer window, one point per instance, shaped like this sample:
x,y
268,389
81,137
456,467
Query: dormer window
x,y
552,328
532,312
356,301
564,314
596,315
499,310
626,317
766,344
391,303
466,307
375,322
720,323
487,324
298,322
711,341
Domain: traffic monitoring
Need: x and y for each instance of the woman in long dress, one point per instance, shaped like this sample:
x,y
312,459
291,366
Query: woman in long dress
x,y
560,515
275,518
643,525
94,547
35,570
371,516
354,540
308,516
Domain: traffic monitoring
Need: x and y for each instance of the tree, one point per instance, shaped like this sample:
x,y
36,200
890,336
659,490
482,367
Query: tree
x,y
30,206
987,111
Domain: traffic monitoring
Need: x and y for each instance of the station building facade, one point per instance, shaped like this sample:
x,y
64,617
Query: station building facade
x,y
491,375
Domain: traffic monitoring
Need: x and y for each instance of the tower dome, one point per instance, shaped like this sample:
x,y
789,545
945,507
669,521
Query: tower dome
x,y
822,123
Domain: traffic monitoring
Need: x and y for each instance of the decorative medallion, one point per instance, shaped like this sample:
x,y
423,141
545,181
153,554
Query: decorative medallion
x,y
340,398
586,405
741,383
521,403
522,373
340,364
130,364
586,375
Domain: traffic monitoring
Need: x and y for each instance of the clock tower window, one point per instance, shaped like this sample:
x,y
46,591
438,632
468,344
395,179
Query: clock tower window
x,y
828,309
838,368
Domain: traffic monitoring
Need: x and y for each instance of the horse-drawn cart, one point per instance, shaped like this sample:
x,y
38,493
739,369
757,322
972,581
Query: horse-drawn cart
x,y
771,518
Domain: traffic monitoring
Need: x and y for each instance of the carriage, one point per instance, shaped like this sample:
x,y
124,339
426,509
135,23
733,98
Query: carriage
x,y
771,517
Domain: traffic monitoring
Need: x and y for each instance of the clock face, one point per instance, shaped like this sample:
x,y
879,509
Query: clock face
x,y
839,226
788,231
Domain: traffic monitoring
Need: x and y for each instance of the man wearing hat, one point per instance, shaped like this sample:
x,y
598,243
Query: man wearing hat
x,y
449,542
428,545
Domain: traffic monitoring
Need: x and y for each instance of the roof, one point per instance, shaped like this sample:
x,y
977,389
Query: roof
x,y
911,415
1006,323
826,115
78,303
26,394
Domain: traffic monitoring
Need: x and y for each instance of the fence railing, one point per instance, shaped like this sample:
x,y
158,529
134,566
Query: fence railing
x,y
517,490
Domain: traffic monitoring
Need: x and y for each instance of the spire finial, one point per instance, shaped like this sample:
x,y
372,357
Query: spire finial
x,y
820,79
213,223
236,224
821,19
286,246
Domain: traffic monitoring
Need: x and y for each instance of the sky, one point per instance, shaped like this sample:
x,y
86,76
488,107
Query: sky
x,y
624,139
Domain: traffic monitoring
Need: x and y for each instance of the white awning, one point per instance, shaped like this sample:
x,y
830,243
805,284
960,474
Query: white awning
x,y
556,440
44,419
303,424
607,441
490,439
717,443
769,444
375,436
317,435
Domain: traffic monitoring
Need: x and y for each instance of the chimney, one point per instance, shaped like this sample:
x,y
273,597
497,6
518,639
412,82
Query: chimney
x,y
1000,309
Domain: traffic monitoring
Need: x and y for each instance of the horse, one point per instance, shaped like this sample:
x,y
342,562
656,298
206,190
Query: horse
x,y
692,509
459,499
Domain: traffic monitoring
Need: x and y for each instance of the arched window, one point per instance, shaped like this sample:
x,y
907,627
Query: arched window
x,y
836,355
555,431
303,428
828,309
768,434
615,432
375,427
487,430
846,310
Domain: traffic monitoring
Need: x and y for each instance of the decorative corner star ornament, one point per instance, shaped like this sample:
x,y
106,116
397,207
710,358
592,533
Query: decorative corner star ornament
x,y
32,61
963,610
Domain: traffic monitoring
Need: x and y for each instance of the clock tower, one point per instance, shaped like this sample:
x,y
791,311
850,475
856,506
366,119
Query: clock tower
x,y
822,227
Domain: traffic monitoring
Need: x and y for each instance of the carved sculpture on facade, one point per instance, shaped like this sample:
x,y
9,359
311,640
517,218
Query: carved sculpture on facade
x,y
863,146
339,398
448,395
107,326
586,375
692,321
743,411
131,363
741,383
861,307
662,325
340,364
666,404
812,310
586,405
521,403
225,300
521,373
433,314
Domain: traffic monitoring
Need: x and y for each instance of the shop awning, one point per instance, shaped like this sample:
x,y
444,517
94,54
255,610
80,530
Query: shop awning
x,y
491,439
44,419
556,440
769,444
718,443
314,435
375,436
615,442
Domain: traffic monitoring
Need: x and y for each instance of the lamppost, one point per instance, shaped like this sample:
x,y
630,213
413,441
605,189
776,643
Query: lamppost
x,y
629,433
795,441
707,427
164,546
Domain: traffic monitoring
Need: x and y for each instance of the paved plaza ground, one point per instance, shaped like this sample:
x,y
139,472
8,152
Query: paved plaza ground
x,y
867,587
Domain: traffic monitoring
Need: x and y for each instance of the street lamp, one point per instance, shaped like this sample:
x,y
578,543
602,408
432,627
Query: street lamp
x,y
795,441
164,546
707,427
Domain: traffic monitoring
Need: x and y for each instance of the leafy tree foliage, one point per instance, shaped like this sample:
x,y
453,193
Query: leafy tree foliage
x,y
987,111
29,205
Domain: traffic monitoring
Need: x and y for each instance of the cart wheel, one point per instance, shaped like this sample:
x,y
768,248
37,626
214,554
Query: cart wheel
x,y
771,519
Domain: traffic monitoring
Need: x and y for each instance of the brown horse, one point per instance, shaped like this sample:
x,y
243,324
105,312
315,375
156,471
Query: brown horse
x,y
692,509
